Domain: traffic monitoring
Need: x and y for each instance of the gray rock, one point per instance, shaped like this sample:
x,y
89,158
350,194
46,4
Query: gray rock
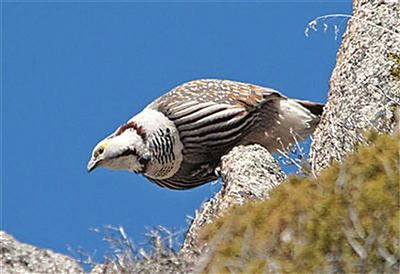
x,y
248,174
364,92
16,257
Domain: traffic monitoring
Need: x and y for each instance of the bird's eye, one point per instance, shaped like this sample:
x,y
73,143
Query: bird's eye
x,y
98,152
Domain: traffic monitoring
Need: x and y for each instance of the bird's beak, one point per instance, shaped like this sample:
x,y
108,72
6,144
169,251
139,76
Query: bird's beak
x,y
92,164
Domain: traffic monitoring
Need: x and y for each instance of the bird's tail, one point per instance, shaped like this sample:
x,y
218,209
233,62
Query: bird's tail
x,y
300,116
314,108
286,121
296,120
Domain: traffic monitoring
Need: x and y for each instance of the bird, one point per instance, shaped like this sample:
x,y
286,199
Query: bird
x,y
177,141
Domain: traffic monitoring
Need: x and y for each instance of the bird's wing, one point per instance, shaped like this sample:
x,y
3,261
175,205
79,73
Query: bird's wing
x,y
212,116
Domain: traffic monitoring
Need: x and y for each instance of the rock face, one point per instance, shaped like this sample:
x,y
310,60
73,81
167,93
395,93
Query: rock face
x,y
16,257
365,84
248,173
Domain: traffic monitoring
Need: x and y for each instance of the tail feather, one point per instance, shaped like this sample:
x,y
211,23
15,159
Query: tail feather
x,y
298,118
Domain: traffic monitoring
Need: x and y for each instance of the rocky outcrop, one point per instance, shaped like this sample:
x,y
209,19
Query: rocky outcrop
x,y
365,84
16,257
248,173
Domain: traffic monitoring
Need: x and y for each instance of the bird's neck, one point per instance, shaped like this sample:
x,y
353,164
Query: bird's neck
x,y
163,142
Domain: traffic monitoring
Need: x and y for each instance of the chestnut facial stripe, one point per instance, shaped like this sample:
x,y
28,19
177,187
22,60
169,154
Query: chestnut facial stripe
x,y
139,130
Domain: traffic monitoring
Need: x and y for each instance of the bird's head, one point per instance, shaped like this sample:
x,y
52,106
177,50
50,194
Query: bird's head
x,y
124,149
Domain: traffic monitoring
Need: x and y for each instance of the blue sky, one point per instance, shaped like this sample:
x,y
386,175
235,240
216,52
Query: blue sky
x,y
73,72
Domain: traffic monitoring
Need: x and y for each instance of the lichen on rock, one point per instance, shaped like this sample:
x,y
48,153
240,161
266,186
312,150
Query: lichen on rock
x,y
16,257
364,90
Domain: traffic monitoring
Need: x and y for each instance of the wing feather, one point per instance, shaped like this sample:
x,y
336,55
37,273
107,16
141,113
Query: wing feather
x,y
211,116
221,118
199,113
186,108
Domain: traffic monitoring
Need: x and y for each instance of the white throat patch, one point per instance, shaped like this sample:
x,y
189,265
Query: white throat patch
x,y
163,142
